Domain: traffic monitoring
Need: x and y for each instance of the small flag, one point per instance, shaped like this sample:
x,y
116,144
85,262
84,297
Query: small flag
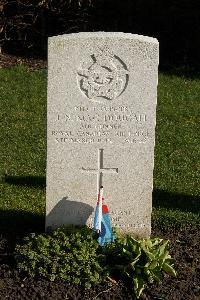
x,y
102,224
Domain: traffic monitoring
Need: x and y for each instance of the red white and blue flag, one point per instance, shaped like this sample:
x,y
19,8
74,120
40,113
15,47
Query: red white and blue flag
x,y
102,224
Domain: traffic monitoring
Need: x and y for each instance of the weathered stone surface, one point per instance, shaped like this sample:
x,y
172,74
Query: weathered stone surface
x,y
100,129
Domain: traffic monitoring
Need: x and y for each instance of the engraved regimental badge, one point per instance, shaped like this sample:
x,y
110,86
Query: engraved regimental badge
x,y
104,76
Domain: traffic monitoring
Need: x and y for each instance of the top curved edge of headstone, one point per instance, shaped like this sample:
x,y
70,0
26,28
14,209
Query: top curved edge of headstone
x,y
103,34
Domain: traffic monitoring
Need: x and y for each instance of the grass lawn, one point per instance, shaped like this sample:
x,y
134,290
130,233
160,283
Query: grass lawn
x,y
23,147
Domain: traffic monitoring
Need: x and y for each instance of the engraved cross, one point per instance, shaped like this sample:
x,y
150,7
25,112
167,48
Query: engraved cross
x,y
100,170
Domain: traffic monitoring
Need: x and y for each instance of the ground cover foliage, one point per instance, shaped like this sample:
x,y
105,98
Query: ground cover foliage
x,y
74,255
27,24
71,254
176,185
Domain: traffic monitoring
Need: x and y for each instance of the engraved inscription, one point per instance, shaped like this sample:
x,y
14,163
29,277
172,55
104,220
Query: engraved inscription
x,y
106,76
136,226
103,124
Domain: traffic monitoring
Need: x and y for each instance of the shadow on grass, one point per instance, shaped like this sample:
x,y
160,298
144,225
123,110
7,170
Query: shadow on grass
x,y
14,226
31,181
185,203
184,71
21,222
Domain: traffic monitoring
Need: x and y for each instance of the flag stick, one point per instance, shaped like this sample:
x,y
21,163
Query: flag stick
x,y
100,208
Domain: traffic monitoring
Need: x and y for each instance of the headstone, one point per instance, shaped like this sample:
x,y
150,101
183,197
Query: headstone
x,y
101,128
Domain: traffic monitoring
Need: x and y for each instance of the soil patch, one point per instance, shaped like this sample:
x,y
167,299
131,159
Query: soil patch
x,y
7,61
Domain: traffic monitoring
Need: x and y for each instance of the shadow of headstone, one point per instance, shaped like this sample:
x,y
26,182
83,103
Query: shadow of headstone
x,y
170,200
20,221
32,181
68,212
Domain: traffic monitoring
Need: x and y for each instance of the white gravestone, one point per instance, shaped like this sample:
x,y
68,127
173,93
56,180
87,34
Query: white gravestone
x,y
102,91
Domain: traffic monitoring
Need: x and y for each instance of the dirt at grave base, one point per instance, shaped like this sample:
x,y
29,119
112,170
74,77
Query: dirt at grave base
x,y
7,61
184,247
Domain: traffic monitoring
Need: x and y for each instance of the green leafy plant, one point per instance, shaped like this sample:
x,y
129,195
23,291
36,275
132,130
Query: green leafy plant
x,y
71,254
74,255
143,261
